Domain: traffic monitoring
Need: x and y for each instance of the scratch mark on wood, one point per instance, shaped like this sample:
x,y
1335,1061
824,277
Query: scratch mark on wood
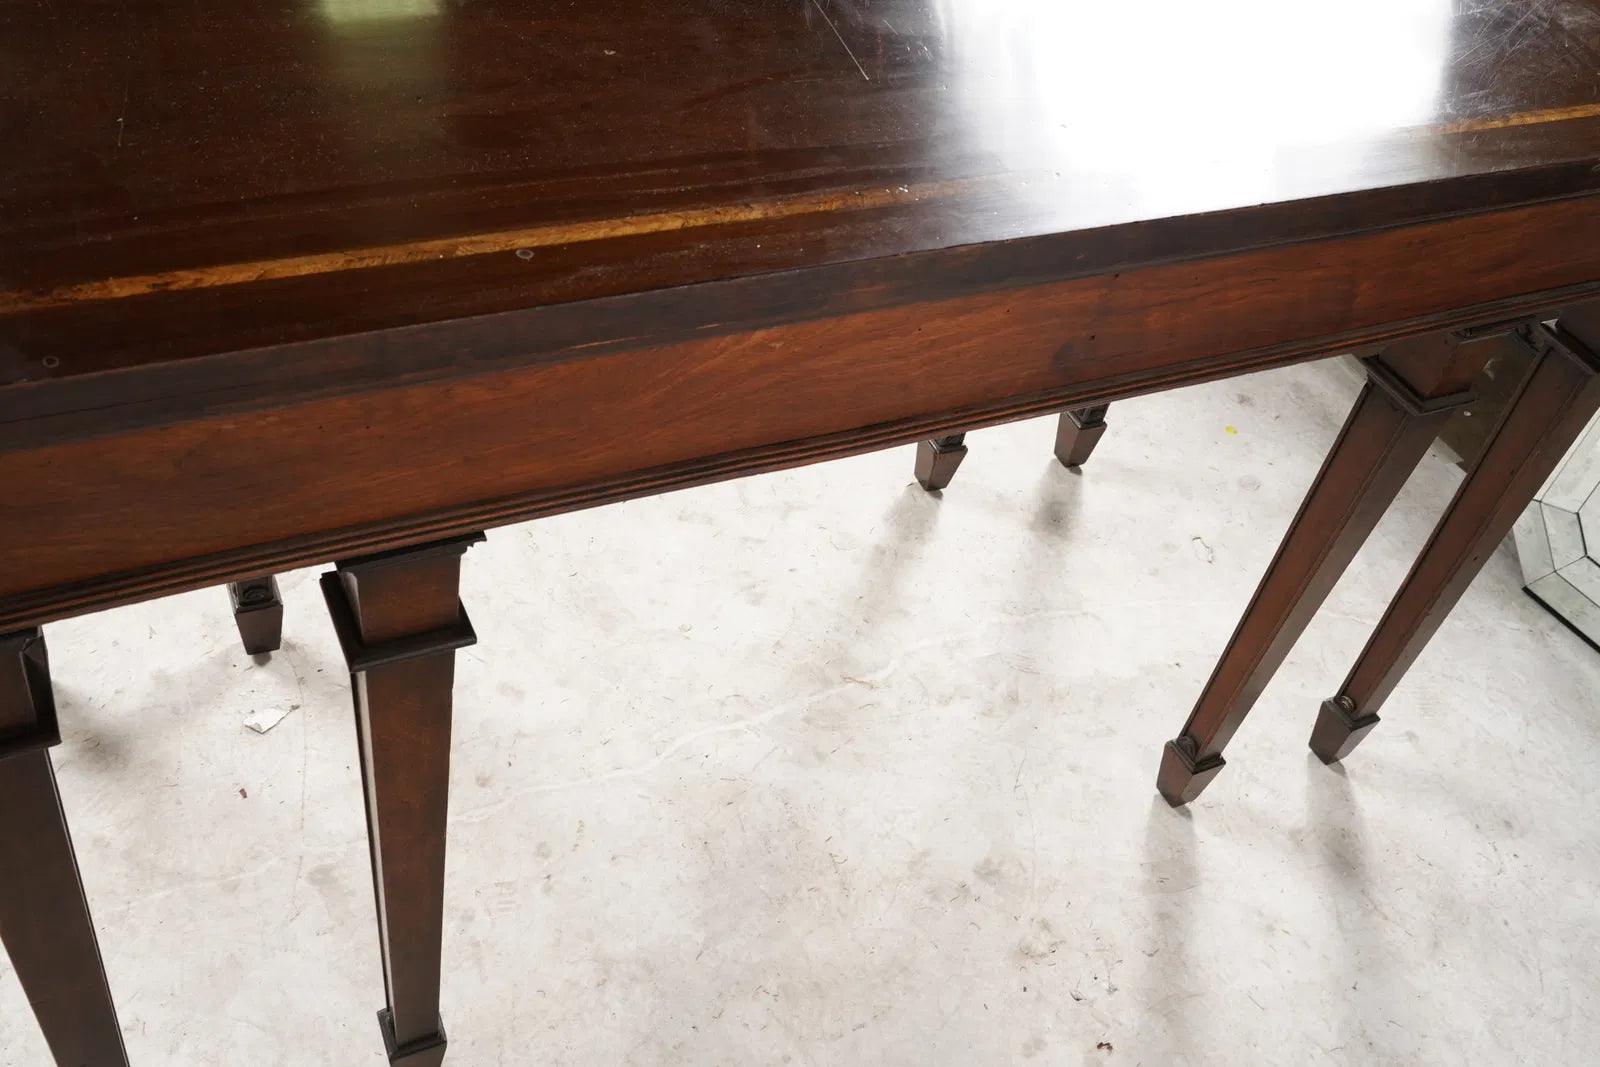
x,y
122,119
839,35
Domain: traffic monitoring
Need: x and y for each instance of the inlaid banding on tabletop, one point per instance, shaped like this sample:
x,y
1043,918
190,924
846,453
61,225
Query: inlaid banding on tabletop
x,y
518,240
1535,117
525,239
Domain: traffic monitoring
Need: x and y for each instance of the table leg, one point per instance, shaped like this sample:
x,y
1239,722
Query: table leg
x,y
938,458
1076,435
1410,390
400,620
258,613
1078,432
44,916
1551,408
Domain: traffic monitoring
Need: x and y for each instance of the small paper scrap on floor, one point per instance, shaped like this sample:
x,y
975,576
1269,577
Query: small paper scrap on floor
x,y
263,719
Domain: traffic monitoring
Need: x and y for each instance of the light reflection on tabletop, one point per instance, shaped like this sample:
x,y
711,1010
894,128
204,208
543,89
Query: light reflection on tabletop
x,y
275,139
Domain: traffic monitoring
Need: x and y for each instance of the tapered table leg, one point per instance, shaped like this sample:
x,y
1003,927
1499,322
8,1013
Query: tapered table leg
x,y
1551,408
938,458
1078,432
399,619
1410,390
258,613
44,916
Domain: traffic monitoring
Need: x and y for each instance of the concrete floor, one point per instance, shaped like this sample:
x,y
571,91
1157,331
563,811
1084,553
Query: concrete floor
x,y
815,768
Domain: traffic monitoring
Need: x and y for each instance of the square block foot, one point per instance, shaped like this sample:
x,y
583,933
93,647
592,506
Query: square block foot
x,y
936,466
1339,730
1181,777
423,1052
1075,442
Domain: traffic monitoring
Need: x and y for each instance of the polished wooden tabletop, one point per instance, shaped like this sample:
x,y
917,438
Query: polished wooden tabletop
x,y
291,281
183,181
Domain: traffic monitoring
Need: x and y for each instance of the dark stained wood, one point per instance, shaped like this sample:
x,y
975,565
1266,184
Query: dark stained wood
x,y
1468,430
265,374
628,147
937,460
1556,401
446,161
399,620
131,515
44,916
1077,432
285,283
1411,389
258,613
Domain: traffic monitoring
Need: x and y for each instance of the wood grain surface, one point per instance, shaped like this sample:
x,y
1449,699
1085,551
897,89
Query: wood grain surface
x,y
282,172
124,515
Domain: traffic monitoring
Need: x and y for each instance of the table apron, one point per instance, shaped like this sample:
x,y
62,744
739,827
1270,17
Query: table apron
x,y
118,517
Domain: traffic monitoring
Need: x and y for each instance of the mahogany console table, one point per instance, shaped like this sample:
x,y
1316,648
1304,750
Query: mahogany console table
x,y
308,280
